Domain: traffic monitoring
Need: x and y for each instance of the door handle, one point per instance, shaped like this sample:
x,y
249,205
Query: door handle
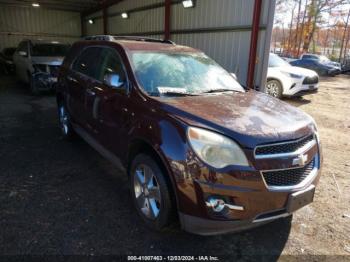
x,y
90,92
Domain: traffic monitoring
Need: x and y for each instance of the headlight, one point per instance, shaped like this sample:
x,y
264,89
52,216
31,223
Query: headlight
x,y
214,149
295,76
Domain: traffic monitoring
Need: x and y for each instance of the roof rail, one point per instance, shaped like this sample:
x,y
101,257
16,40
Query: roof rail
x,y
100,38
133,38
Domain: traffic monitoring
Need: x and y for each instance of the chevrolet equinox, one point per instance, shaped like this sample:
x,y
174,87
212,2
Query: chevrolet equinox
x,y
195,144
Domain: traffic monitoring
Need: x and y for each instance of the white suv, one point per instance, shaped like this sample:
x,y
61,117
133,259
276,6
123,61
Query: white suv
x,y
37,63
286,80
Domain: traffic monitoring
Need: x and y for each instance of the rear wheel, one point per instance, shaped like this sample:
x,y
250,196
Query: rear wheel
x,y
150,192
274,88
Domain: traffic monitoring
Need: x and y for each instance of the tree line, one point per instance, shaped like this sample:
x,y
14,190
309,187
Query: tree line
x,y
318,26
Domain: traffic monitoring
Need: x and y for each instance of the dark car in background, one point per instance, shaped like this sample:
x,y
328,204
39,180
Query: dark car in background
x,y
37,63
194,143
6,61
322,59
321,68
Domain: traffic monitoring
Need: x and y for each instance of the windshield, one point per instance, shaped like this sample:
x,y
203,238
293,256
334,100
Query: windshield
x,y
276,61
311,57
187,73
50,50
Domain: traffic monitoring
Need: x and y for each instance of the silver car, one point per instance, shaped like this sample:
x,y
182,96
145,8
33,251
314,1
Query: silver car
x,y
37,63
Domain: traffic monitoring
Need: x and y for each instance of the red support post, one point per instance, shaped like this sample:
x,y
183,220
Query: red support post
x,y
83,24
167,19
254,43
105,21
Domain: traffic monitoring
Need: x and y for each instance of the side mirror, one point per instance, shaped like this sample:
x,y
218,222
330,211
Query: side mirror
x,y
233,75
23,53
113,80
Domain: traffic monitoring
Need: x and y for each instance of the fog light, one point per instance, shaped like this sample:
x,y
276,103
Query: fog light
x,y
216,204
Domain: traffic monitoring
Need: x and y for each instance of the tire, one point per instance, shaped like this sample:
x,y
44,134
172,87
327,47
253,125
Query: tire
x,y
65,124
151,196
33,88
274,88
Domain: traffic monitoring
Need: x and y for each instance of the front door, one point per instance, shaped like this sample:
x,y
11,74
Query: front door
x,y
107,108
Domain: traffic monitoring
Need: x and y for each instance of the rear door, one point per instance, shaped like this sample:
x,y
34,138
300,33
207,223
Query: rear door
x,y
79,80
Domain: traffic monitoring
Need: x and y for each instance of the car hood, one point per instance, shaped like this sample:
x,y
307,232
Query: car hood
x,y
251,118
333,64
56,61
298,71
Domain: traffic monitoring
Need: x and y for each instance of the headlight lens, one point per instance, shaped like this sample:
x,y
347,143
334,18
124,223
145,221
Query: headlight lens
x,y
295,76
214,149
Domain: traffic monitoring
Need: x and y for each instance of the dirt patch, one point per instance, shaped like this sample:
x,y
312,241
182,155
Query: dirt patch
x,y
324,226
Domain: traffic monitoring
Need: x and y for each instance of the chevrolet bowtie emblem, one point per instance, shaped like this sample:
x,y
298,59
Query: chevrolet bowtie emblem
x,y
300,160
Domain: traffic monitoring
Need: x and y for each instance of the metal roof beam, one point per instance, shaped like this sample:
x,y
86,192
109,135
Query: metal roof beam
x,y
103,5
51,4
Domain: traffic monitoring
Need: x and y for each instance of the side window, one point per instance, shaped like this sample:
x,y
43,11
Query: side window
x,y
87,62
110,64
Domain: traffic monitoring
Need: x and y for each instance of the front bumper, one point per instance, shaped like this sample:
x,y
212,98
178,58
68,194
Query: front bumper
x,y
44,81
250,197
207,227
297,88
305,92
334,72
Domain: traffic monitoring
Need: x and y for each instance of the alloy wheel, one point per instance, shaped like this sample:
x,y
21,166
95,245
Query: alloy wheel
x,y
63,120
147,192
272,89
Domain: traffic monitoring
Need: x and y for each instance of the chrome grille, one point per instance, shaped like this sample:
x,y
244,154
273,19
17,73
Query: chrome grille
x,y
281,148
310,80
288,177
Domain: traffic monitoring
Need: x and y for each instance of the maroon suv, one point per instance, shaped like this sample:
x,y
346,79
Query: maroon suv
x,y
193,142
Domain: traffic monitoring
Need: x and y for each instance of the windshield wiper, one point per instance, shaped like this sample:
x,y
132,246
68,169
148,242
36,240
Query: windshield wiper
x,y
218,91
171,93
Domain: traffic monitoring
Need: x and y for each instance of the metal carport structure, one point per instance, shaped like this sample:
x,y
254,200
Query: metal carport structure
x,y
236,33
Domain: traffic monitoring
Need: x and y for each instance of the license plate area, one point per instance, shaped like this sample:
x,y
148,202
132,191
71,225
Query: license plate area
x,y
300,199
312,87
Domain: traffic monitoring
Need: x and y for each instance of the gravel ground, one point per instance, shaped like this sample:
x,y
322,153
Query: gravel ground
x,y
63,198
324,226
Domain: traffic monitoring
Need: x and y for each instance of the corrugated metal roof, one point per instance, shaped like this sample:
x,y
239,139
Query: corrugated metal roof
x,y
68,5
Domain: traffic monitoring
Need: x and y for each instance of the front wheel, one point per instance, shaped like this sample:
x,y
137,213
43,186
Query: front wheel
x,y
65,125
33,85
274,88
150,192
